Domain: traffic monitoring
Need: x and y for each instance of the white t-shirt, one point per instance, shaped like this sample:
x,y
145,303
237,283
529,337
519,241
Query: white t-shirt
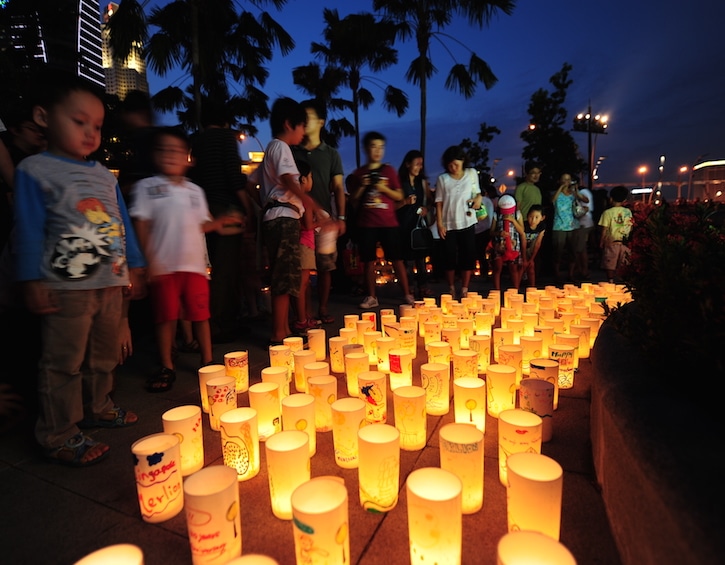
x,y
454,194
176,211
278,161
587,220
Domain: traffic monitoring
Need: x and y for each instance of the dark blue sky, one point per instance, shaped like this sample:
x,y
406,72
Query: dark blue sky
x,y
655,67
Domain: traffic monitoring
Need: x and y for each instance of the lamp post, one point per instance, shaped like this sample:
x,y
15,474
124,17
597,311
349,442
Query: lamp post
x,y
591,124
642,171
657,192
682,170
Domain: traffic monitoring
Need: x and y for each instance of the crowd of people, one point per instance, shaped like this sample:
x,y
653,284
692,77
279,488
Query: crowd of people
x,y
183,229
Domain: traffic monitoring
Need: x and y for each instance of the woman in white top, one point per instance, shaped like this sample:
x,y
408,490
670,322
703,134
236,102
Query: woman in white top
x,y
457,197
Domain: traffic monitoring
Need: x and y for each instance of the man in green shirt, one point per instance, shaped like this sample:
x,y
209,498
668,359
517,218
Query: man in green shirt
x,y
527,193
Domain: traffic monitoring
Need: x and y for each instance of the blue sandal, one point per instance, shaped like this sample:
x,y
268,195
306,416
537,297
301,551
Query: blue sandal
x,y
71,453
116,417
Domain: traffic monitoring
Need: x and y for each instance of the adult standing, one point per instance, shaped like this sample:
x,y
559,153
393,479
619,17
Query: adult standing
x,y
527,193
457,196
327,184
218,170
483,234
565,223
583,234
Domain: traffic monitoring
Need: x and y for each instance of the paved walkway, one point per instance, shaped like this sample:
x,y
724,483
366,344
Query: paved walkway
x,y
54,514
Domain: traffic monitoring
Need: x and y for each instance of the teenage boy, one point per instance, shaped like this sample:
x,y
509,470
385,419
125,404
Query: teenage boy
x,y
527,193
534,229
616,223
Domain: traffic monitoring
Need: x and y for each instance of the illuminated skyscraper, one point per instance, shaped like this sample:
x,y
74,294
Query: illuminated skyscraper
x,y
122,76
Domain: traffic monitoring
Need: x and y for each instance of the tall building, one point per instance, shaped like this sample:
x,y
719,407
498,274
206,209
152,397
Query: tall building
x,y
122,77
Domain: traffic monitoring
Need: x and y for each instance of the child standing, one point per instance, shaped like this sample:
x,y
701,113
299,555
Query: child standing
x,y
534,231
509,241
171,217
76,256
616,223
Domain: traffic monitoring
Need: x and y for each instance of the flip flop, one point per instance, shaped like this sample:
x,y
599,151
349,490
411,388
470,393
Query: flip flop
x,y
116,417
72,451
162,381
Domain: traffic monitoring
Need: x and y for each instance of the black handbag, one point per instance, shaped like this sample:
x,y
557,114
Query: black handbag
x,y
421,238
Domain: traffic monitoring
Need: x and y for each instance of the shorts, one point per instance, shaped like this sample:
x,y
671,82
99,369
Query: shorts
x,y
281,236
580,239
169,293
389,239
614,255
307,258
326,262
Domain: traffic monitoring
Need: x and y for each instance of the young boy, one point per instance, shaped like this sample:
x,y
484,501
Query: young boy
x,y
509,241
283,202
534,229
171,216
616,223
77,256
375,194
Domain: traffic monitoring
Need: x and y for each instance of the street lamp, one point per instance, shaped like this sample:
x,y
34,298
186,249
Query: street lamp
x,y
658,191
682,170
592,124
642,171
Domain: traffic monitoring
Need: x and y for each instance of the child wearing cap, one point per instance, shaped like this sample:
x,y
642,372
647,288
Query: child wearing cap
x,y
508,241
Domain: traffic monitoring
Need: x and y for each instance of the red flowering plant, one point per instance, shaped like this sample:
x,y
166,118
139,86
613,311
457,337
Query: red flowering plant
x,y
676,274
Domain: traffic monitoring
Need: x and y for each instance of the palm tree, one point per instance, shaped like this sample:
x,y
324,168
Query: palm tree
x,y
236,47
425,20
353,43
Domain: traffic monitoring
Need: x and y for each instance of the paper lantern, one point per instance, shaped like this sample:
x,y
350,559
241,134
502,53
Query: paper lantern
x,y
301,359
298,413
321,522
383,347
253,559
501,336
371,317
481,344
378,467
240,442
410,416
461,453
408,339
512,356
236,364
518,431
439,352
537,396
324,390
547,337
483,322
517,326
500,389
424,316
119,554
564,354
405,310
206,373
157,469
185,423
531,320
570,339
507,314
469,401
452,336
350,321
465,363
288,466
557,324
387,312
355,363
281,356
525,548
547,370
370,338
436,378
350,334
277,375
531,349
445,300
337,359
583,331
294,342
593,324
389,325
435,522
567,319
533,496
466,331
348,415
431,331
222,398
316,369
373,391
401,367
264,398
363,326
317,342
213,518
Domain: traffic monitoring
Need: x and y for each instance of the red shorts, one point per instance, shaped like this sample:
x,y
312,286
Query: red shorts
x,y
170,292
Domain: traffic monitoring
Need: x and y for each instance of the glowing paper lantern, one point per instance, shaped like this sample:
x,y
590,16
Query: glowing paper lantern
x,y
294,342
435,522
157,469
524,548
324,390
363,326
320,521
583,331
373,391
277,375
350,334
383,346
281,356
500,389
288,466
237,366
316,369
461,453
212,515
465,363
298,413
517,325
518,431
501,336
337,360
531,349
452,336
317,342
348,415
185,423
469,401
119,554
537,396
481,344
410,416
389,325
355,363
512,356
240,442
575,341
301,359
350,321
370,339
547,370
222,398
483,322
436,378
401,367
564,354
547,337
371,317
206,373
253,559
431,331
264,398
439,352
533,496
379,467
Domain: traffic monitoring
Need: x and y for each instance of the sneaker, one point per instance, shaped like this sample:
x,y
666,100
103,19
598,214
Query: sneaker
x,y
410,299
369,302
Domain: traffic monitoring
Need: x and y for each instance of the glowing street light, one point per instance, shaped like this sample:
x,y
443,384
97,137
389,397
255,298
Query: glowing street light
x,y
592,124
681,171
642,171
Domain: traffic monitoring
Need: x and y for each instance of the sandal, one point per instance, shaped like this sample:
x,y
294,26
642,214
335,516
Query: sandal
x,y
161,381
191,347
75,450
116,417
326,318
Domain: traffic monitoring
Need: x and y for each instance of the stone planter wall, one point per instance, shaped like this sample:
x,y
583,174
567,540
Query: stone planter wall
x,y
659,463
